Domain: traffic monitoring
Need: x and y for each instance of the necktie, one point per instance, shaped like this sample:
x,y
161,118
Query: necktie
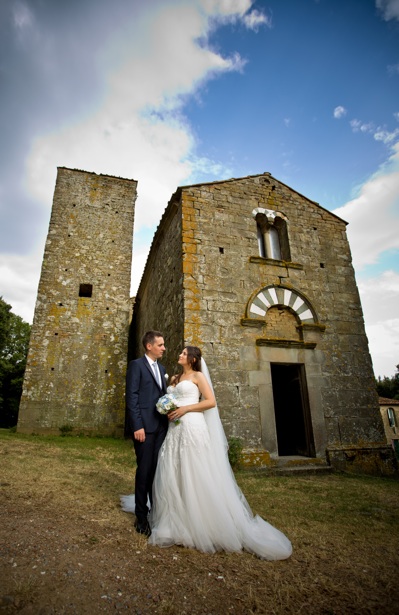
x,y
156,372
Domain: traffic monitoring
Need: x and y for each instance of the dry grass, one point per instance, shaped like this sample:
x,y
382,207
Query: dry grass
x,y
69,549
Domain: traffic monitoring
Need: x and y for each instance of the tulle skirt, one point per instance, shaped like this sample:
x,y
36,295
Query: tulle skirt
x,y
197,502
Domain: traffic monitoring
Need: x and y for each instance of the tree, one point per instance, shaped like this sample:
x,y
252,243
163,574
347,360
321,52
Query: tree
x,y
389,387
14,343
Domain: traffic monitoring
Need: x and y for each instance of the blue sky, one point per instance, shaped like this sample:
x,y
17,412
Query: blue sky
x,y
173,92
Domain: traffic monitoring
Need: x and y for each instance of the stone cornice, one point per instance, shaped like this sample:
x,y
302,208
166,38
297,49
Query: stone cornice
x,y
261,260
283,343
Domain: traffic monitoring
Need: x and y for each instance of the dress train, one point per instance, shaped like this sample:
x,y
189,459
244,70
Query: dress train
x,y
196,500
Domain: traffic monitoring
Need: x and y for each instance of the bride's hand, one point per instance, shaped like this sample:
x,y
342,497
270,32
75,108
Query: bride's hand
x,y
177,413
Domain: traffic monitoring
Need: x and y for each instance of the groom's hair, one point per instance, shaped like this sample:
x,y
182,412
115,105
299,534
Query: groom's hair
x,y
149,337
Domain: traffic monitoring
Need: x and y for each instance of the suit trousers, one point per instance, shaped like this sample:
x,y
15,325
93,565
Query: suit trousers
x,y
147,458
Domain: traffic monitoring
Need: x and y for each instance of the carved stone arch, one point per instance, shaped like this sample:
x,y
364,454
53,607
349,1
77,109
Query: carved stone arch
x,y
271,296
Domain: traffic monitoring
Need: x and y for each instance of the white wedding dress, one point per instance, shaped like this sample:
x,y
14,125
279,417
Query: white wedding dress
x,y
196,500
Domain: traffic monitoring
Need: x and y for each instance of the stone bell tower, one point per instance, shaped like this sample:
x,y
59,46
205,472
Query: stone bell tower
x,y
75,375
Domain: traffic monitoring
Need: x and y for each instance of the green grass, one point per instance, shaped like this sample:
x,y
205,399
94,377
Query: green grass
x,y
333,498
344,530
102,464
343,499
118,449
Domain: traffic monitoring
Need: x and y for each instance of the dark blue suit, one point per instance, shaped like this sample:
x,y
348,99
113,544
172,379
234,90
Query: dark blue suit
x,y
142,393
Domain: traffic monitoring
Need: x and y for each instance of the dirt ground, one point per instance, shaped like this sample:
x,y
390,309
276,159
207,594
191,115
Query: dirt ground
x,y
67,548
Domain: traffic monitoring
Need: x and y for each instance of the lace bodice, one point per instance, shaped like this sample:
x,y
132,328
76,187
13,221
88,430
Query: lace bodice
x,y
191,430
186,392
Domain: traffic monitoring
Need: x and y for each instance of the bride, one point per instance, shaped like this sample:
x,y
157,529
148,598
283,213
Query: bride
x,y
196,500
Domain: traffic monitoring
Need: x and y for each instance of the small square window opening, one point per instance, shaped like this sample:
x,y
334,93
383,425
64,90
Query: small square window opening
x,y
85,290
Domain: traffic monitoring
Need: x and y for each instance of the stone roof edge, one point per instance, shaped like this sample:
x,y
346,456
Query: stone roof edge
x,y
127,179
177,195
233,179
385,401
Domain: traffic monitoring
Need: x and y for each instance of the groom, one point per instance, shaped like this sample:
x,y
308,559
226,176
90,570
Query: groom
x,y
145,384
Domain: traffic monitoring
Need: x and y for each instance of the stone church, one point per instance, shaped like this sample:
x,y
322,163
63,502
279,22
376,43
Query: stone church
x,y
256,274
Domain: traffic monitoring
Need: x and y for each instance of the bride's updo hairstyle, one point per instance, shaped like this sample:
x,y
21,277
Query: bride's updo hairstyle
x,y
193,359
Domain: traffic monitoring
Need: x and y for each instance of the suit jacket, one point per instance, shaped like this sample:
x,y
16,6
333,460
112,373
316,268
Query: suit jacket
x,y
142,393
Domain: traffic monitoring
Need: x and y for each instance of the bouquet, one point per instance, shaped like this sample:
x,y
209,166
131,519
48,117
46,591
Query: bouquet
x,y
166,404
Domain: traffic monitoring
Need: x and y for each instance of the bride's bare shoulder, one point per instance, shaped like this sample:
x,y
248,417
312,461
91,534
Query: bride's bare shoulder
x,y
198,378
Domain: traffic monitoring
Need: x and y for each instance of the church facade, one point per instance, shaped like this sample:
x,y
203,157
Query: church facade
x,y
261,279
256,275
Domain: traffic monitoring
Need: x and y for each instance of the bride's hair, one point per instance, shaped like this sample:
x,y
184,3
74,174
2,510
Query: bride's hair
x,y
193,359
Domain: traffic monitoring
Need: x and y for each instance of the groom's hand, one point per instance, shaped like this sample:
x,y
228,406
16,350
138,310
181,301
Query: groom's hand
x,y
139,435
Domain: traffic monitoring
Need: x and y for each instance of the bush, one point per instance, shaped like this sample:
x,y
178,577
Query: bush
x,y
388,387
14,342
235,452
66,430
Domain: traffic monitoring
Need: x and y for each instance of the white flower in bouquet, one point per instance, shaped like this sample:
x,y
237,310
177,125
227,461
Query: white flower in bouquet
x,y
166,404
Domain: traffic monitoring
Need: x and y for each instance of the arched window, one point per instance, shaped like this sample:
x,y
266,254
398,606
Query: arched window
x,y
271,228
272,243
261,241
391,418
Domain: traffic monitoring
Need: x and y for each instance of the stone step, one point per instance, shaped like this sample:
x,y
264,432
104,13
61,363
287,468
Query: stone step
x,y
288,470
259,460
297,464
293,464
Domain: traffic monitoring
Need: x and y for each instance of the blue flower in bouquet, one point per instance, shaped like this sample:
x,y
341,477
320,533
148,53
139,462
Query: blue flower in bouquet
x,y
166,404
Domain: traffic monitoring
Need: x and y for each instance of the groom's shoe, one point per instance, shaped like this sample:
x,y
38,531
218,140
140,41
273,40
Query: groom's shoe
x,y
142,527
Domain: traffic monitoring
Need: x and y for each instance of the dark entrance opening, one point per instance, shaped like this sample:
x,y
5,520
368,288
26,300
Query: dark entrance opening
x,y
291,407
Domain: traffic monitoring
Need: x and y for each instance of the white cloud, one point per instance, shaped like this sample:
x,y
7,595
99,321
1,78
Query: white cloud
x,y
205,166
373,215
393,69
227,8
233,11
389,9
152,153
19,277
373,229
255,18
339,112
140,256
380,298
137,130
357,126
386,136
380,133
22,15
